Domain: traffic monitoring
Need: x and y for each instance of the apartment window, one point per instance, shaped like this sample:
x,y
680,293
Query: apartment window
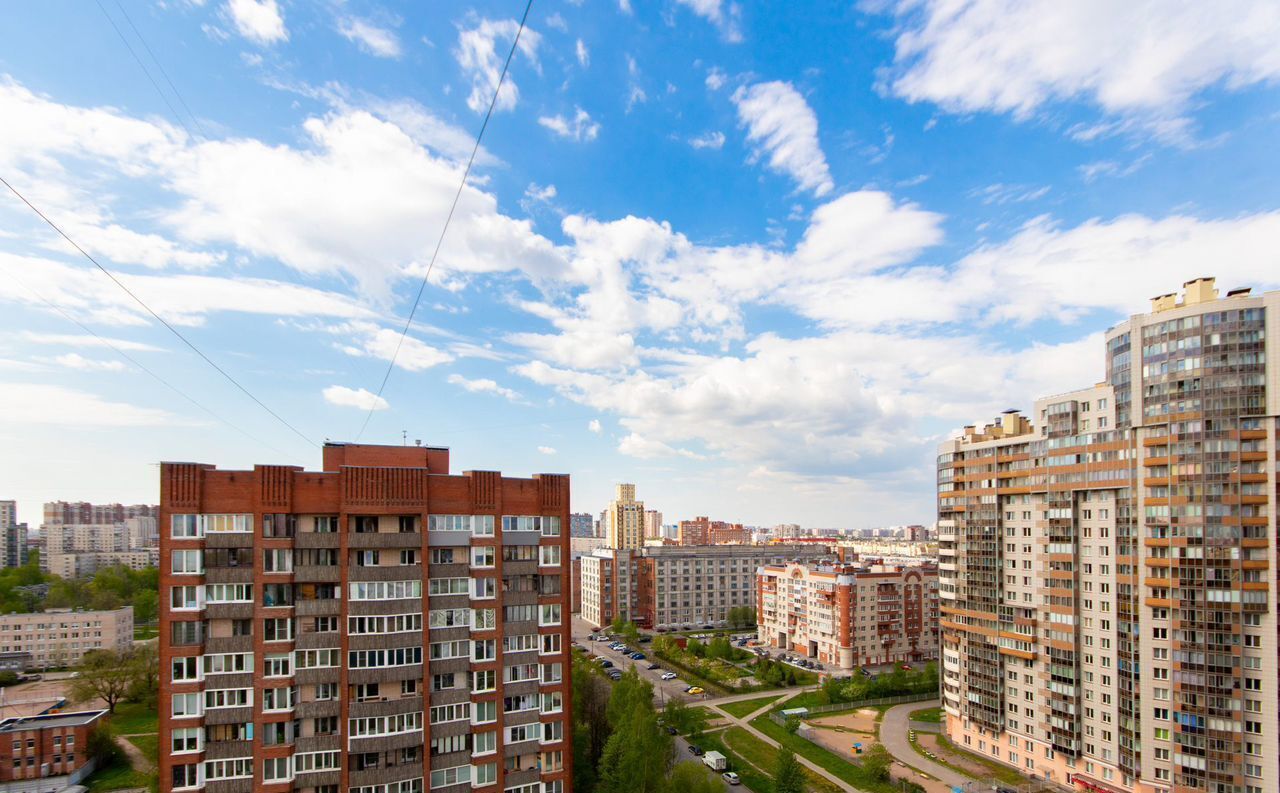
x,y
441,714
485,774
407,524
277,560
409,557
187,562
484,743
442,556
549,555
277,769
228,663
228,593
277,595
388,590
185,739
277,630
326,524
184,527
450,744
241,767
442,650
485,650
226,524
228,698
484,712
484,619
186,669
444,777
185,598
549,614
279,525
449,523
186,634
277,665
278,699
314,659
185,776
482,556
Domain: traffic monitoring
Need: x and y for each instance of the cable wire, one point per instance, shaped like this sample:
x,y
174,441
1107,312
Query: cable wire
x,y
444,229
160,66
137,363
144,68
157,317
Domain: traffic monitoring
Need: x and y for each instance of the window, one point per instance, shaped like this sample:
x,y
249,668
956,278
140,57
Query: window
x,y
186,669
185,776
228,663
485,650
277,595
278,699
228,593
277,560
449,523
184,527
277,665
228,769
277,630
316,761
450,586
314,659
326,524
484,712
457,775
523,732
549,614
226,524
485,588
187,562
384,725
392,623
550,644
377,659
450,618
409,557
277,769
227,698
484,742
185,739
279,525
485,681
388,590
482,556
450,744
549,555
185,598
441,650
441,556
484,619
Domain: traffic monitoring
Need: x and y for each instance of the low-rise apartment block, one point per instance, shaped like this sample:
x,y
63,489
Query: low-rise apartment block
x,y
704,531
61,637
675,587
850,615
80,565
47,753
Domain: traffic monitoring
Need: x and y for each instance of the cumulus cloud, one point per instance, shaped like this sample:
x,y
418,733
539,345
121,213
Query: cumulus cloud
x,y
260,21
371,38
578,128
35,403
707,140
481,61
547,450
1147,58
594,426
725,16
483,385
344,397
76,361
785,130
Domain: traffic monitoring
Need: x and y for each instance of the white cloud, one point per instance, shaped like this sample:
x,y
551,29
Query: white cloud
x,y
594,426
635,93
557,22
578,128
344,397
536,192
1092,171
725,16
72,340
782,125
547,450
1147,58
478,55
584,55
707,140
33,403
1000,194
484,385
369,37
647,449
73,360
259,21
716,78
366,339
625,7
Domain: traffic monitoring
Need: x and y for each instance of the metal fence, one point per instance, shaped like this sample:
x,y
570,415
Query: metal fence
x,y
837,707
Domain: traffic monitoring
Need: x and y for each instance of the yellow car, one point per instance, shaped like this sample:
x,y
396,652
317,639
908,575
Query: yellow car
x,y
696,691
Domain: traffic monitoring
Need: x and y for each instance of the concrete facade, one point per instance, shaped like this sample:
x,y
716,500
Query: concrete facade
x,y
60,637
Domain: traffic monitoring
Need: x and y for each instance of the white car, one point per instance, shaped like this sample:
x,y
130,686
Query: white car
x,y
731,778
668,675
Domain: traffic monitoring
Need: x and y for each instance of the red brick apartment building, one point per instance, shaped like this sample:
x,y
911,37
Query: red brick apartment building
x,y
379,626
47,753
705,531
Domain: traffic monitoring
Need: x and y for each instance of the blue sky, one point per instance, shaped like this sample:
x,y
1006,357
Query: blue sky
x,y
757,260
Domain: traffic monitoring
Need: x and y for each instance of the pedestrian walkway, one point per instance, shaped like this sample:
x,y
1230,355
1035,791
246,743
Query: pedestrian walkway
x,y
893,736
745,724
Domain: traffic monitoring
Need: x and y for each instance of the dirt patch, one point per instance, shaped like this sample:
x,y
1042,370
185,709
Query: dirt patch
x,y
930,743
863,721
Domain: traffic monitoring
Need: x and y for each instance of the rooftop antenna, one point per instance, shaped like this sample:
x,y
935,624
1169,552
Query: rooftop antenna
x,y
404,437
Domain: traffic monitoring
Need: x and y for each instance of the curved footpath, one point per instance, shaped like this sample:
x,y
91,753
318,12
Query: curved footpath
x,y
893,736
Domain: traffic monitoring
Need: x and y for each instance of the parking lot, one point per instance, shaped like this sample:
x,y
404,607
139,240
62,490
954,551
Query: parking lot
x,y
662,689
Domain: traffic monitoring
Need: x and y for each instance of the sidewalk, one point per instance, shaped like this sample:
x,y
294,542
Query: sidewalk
x,y
893,736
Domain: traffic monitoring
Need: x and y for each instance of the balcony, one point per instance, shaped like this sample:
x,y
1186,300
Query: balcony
x,y
386,743
229,539
318,709
384,707
317,641
229,715
238,680
360,541
214,645
527,776
328,607
388,674
222,750
320,574
310,539
317,743
229,786
386,572
376,641
326,674
229,611
228,575
385,774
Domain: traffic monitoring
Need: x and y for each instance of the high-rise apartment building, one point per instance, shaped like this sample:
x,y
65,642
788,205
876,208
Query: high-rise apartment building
x,y
850,615
13,536
84,512
652,524
705,531
624,519
672,586
582,524
379,626
1108,589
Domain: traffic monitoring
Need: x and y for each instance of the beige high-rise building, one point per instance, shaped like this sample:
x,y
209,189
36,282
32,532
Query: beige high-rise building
x,y
652,524
1107,585
624,519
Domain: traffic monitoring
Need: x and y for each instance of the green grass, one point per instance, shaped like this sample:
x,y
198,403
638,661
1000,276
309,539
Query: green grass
x,y
927,715
838,766
133,717
998,770
765,757
149,745
116,776
751,778
144,632
748,706
805,699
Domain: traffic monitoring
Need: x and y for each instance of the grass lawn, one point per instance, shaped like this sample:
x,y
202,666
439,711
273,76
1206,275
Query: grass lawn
x,y
144,632
927,715
748,706
840,767
998,770
764,756
752,778
116,776
132,717
149,745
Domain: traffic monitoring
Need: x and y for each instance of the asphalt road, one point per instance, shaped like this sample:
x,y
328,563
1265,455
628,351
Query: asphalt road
x,y
662,689
893,735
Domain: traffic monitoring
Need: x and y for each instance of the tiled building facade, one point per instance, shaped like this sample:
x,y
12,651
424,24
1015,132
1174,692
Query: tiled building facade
x,y
379,626
1108,569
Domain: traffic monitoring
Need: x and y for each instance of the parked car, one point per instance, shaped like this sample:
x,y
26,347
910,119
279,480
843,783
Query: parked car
x,y
695,751
668,675
606,663
654,666
637,656
731,778
671,730
695,691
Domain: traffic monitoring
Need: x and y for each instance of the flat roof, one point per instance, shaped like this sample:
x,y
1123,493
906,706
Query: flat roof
x,y
51,720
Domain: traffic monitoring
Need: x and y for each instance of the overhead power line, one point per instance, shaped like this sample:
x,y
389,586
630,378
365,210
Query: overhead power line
x,y
143,66
118,351
157,317
160,66
448,218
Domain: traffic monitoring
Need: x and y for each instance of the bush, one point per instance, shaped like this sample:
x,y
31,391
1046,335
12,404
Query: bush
x,y
102,747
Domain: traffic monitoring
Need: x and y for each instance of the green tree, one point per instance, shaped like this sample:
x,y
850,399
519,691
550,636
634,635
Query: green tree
x,y
104,675
788,776
720,648
696,648
693,777
144,664
591,728
792,724
876,762
629,691
638,755
689,721
102,747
